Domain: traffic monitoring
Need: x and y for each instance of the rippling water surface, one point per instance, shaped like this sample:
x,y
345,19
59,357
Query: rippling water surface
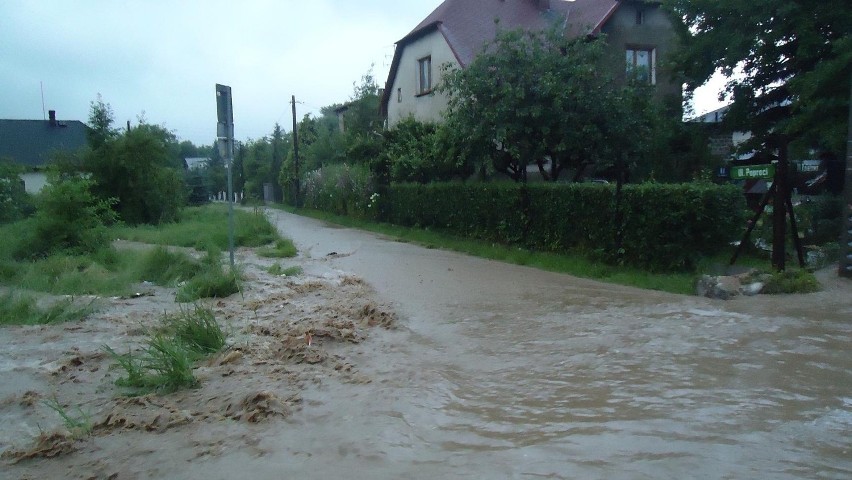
x,y
505,372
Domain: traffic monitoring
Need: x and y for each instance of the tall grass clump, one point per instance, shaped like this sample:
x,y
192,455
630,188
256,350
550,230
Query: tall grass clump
x,y
165,365
205,227
197,329
23,310
166,268
212,281
283,248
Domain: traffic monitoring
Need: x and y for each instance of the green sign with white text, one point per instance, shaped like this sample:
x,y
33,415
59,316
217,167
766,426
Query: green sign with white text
x,y
753,172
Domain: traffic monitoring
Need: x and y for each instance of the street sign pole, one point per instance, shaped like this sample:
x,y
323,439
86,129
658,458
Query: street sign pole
x,y
225,141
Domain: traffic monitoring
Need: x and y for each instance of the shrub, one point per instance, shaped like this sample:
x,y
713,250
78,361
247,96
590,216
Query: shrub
x,y
792,281
339,189
69,219
665,226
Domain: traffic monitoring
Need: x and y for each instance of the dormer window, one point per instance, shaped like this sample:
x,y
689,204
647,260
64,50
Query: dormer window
x,y
424,69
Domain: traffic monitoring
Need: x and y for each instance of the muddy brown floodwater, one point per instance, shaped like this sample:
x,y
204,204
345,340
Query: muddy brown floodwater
x,y
501,371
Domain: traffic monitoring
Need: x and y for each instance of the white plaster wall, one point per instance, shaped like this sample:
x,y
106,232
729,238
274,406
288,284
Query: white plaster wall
x,y
426,108
34,181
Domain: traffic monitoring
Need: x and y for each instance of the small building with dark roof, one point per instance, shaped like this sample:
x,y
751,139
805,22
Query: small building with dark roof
x,y
34,143
639,34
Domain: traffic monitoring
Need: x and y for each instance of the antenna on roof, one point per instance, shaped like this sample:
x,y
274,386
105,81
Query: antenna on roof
x,y
43,117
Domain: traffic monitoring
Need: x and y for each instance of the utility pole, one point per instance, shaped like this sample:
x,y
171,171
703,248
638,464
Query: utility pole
x,y
845,269
225,142
295,151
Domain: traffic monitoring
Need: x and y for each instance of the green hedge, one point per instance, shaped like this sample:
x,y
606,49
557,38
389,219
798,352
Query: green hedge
x,y
666,226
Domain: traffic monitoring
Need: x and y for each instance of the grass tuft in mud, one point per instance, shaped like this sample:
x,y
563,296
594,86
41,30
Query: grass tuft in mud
x,y
79,425
165,365
283,248
23,310
197,329
279,271
212,281
165,267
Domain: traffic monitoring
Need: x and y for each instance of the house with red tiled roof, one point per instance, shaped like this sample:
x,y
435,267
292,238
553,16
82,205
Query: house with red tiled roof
x,y
638,34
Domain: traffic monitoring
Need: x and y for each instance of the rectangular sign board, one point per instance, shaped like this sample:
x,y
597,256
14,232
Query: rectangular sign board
x,y
752,172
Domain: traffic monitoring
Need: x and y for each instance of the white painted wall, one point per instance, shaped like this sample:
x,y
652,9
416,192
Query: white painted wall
x,y
403,100
34,181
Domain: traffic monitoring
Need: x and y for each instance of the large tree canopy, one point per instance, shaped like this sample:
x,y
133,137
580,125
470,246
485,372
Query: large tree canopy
x,y
788,63
532,96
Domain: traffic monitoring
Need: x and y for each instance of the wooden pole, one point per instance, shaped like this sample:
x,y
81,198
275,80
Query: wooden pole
x,y
779,209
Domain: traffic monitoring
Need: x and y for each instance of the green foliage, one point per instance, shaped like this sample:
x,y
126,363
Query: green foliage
x,y
820,219
163,267
340,189
197,329
531,96
792,281
79,425
279,271
101,118
164,367
141,169
212,281
15,202
413,152
666,227
283,248
23,310
166,363
207,226
69,219
788,64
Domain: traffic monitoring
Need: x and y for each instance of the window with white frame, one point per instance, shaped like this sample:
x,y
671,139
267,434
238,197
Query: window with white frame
x,y
424,70
641,64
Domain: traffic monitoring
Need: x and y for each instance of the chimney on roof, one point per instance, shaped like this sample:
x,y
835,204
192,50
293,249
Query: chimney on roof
x,y
51,115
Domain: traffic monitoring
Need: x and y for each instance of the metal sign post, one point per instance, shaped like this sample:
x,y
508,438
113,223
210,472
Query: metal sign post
x,y
225,142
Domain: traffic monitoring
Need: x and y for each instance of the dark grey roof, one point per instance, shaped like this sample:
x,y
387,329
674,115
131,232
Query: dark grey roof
x,y
33,142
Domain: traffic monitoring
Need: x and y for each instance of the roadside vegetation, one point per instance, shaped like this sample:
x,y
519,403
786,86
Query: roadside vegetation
x,y
21,309
165,363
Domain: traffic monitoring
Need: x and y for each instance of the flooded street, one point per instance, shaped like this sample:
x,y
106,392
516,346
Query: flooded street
x,y
501,371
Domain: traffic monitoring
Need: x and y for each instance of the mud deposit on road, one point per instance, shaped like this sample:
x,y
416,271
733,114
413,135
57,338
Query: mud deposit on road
x,y
248,391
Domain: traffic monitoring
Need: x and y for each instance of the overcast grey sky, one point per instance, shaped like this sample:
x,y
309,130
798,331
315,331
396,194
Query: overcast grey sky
x,y
164,58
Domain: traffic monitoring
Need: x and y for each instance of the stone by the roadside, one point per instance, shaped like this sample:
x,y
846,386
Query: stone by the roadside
x,y
753,289
723,287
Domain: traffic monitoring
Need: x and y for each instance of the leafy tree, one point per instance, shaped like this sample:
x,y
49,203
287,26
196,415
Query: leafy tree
x,y
101,119
141,169
533,96
788,64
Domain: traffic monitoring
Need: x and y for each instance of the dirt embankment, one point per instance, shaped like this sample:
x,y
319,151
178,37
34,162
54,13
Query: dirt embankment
x,y
284,334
